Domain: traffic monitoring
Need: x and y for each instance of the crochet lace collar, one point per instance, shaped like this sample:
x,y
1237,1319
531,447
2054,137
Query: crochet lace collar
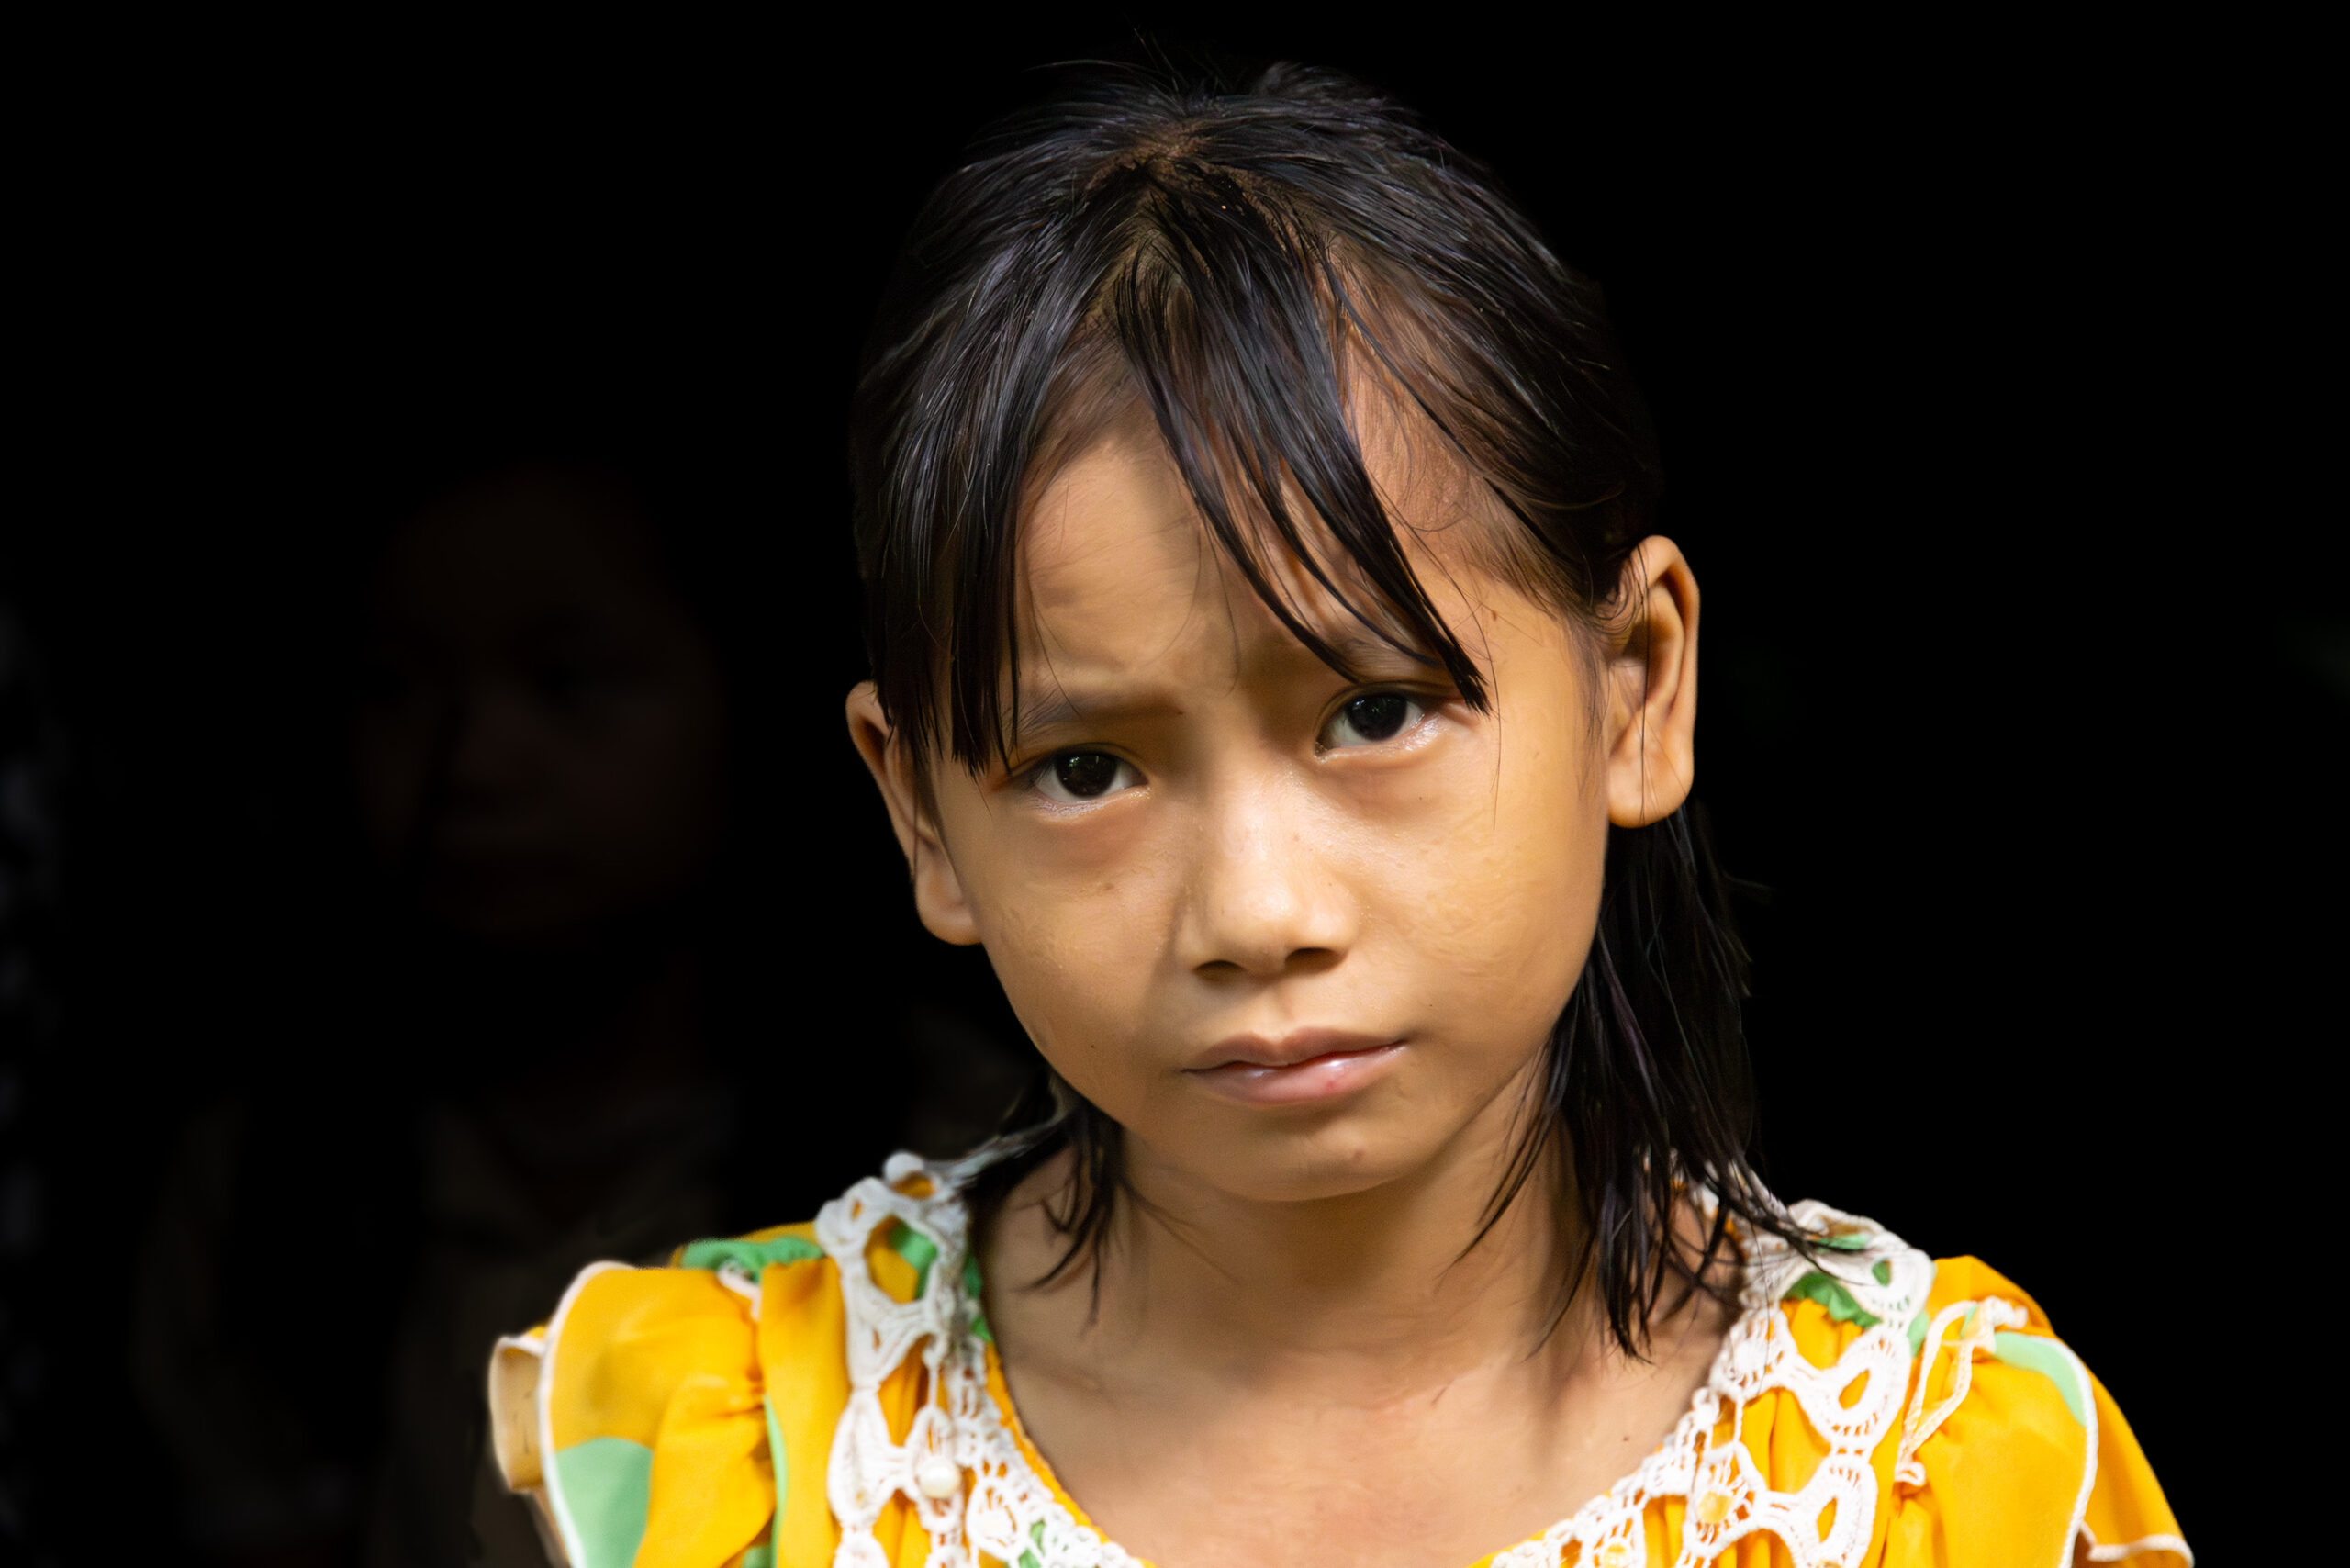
x,y
964,1469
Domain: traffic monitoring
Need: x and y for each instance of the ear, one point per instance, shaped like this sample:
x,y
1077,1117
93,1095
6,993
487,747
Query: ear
x,y
938,891
1651,685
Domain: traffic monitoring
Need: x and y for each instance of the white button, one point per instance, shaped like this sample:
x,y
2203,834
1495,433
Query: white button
x,y
938,1478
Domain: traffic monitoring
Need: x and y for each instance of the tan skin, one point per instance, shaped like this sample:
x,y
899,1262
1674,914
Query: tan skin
x,y
1208,836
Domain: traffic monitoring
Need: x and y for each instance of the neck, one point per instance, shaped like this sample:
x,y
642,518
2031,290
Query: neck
x,y
1382,1282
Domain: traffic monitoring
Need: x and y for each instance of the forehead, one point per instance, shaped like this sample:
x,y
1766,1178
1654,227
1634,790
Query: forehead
x,y
1119,569
525,546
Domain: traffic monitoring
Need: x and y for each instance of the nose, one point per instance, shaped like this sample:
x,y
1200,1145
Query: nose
x,y
1262,899
489,748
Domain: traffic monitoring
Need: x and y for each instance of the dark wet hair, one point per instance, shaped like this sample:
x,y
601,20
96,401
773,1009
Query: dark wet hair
x,y
1242,262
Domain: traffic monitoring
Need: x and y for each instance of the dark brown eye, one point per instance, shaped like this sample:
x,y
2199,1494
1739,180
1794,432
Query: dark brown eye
x,y
1086,775
1368,720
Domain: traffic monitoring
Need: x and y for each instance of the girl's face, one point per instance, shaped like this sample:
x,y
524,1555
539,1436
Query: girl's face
x,y
1295,933
539,749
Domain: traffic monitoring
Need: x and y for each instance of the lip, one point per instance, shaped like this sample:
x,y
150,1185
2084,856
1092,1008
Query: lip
x,y
1300,1068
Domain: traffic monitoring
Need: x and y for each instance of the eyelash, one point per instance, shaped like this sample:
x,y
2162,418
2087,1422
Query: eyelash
x,y
1420,701
1038,775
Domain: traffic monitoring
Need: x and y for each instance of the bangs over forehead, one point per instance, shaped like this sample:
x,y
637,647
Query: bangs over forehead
x,y
1236,262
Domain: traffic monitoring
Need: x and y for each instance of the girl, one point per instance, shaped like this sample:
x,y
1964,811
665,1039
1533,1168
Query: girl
x,y
1274,669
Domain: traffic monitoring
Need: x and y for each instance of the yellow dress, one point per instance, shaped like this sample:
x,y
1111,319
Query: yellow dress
x,y
828,1395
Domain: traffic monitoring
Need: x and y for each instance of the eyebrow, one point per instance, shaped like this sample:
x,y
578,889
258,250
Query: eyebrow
x,y
1360,647
1049,706
1056,707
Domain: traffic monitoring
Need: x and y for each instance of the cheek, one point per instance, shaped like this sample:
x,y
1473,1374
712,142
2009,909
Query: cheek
x,y
651,773
1076,941
1496,900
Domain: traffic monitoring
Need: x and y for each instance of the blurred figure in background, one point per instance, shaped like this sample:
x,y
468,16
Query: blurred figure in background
x,y
568,990
538,752
539,743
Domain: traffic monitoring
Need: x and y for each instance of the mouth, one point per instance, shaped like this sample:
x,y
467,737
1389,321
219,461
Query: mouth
x,y
1299,1068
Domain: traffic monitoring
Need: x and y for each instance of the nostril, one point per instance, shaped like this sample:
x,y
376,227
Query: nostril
x,y
1301,960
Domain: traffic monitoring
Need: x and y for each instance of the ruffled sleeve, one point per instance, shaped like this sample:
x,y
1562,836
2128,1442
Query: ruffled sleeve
x,y
2010,1451
684,1417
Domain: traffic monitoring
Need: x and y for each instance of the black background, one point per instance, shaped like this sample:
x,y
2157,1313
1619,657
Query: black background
x,y
1979,362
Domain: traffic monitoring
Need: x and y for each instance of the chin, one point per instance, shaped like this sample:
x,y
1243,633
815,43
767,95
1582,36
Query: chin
x,y
1313,1166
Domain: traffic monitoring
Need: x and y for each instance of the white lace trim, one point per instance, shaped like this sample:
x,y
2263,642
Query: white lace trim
x,y
1007,1510
2121,1552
